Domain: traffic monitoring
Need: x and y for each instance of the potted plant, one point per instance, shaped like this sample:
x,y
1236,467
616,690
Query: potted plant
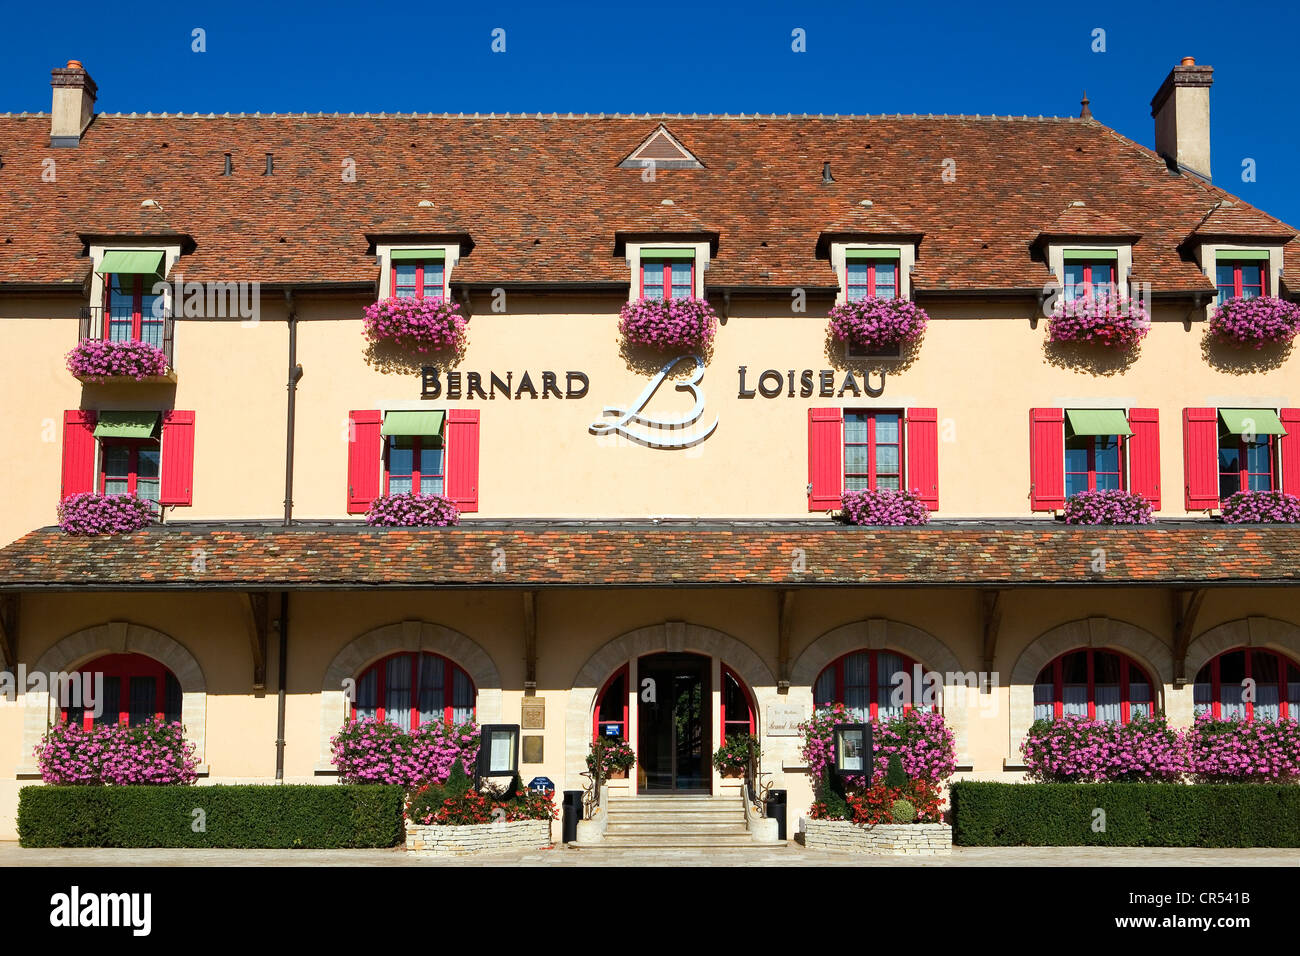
x,y
1261,507
610,758
1107,506
1256,322
416,325
887,508
872,323
668,325
89,513
1107,321
98,360
734,755
411,510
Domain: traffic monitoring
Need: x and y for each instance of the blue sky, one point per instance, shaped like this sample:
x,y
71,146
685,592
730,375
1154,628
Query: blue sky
x,y
685,57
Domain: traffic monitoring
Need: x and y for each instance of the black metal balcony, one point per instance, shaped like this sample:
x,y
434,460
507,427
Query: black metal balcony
x,y
157,331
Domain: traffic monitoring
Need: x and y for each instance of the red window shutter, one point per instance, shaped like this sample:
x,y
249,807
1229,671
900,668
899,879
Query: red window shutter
x,y
177,459
1201,458
923,454
78,453
1046,459
1144,454
364,446
825,459
1289,445
462,458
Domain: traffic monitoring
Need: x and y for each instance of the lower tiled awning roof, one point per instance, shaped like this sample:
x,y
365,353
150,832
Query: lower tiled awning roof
x,y
535,554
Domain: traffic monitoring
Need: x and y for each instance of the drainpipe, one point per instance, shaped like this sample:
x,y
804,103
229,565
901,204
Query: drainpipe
x,y
280,681
295,373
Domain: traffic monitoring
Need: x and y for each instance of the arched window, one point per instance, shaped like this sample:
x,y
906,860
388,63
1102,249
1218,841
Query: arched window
x,y
871,684
410,689
737,707
1098,685
136,688
1220,688
610,718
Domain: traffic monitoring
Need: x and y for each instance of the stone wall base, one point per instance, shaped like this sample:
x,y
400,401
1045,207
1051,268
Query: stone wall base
x,y
479,838
887,839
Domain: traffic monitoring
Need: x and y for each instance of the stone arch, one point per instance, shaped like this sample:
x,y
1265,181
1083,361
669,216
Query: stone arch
x,y
1243,632
119,637
673,636
411,636
878,634
1098,632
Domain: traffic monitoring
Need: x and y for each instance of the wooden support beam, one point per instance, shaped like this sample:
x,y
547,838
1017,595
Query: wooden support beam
x,y
1186,606
257,619
990,624
9,630
530,643
783,642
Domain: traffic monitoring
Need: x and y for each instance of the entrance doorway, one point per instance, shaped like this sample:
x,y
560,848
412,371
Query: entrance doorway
x,y
674,726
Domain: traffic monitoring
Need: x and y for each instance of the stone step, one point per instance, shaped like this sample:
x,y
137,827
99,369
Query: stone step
x,y
647,826
668,841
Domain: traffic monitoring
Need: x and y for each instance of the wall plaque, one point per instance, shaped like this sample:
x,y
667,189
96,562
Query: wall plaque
x,y
533,749
783,720
533,716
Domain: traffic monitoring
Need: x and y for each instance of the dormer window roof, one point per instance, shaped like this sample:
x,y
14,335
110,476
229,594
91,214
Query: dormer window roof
x,y
661,150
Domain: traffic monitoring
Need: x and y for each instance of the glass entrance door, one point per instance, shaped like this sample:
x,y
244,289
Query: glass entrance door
x,y
673,723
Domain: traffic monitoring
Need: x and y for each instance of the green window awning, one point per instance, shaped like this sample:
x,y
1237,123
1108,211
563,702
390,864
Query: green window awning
x,y
1252,421
122,262
1097,421
418,255
1100,255
126,424
852,254
413,424
1231,255
688,254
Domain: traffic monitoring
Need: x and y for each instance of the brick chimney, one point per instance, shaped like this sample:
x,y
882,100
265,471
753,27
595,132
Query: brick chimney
x,y
1181,108
74,104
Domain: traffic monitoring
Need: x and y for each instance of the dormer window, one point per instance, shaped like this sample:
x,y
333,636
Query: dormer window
x,y
421,270
1241,275
1090,274
871,275
667,274
135,313
419,274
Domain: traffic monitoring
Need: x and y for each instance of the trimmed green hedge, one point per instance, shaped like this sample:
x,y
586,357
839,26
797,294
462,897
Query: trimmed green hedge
x,y
1137,814
271,817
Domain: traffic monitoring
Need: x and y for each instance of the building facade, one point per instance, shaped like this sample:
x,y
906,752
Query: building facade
x,y
628,515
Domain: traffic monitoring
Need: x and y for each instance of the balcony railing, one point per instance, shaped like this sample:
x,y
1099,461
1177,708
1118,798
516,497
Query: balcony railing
x,y
92,327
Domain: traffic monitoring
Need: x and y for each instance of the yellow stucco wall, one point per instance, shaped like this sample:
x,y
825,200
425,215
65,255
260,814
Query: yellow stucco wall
x,y
240,727
982,366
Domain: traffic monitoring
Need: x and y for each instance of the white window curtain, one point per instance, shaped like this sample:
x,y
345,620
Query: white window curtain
x,y
462,698
397,696
1044,705
1107,702
431,688
367,695
1139,695
1201,698
889,699
857,685
1074,700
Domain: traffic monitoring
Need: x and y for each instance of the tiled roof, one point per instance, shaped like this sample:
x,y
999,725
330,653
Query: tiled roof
x,y
542,196
1078,220
1029,553
1234,219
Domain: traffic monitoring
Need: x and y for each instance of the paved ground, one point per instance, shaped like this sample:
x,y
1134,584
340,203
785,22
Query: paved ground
x,y
792,855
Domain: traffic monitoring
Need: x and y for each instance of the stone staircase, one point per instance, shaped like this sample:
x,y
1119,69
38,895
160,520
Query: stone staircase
x,y
679,821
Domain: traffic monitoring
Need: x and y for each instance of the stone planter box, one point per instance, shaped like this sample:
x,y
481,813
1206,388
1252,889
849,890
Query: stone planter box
x,y
887,839
479,838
